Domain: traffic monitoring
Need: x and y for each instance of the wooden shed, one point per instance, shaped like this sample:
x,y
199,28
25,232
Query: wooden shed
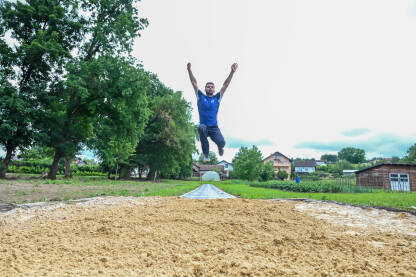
x,y
388,176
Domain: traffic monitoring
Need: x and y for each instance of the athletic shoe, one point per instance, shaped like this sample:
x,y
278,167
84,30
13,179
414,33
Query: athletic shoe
x,y
220,151
206,159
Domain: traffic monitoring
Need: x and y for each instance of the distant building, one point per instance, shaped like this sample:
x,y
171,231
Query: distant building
x,y
305,166
279,162
227,167
320,163
199,169
348,172
389,176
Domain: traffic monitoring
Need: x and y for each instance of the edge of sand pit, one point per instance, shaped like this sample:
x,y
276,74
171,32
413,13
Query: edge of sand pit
x,y
389,209
7,207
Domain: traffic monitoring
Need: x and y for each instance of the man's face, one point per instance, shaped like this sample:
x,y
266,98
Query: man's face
x,y
209,89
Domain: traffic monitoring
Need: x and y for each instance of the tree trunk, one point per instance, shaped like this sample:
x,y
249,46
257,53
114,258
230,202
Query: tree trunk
x,y
109,174
5,163
149,174
54,167
68,173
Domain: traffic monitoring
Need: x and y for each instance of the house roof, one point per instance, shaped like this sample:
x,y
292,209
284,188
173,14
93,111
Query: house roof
x,y
305,163
388,164
208,167
275,154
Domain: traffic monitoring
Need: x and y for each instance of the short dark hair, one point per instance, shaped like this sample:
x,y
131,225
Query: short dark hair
x,y
209,83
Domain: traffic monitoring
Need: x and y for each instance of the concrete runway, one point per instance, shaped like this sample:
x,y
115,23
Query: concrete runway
x,y
207,191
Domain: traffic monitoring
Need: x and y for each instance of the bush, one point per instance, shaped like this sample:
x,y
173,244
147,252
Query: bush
x,y
282,175
311,186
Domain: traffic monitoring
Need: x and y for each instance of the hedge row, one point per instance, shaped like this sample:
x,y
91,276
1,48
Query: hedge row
x,y
40,166
309,186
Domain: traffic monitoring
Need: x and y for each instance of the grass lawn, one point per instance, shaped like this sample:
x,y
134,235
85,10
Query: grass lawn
x,y
399,200
30,188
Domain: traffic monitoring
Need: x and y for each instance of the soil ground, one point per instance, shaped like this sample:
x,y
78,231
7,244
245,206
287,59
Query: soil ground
x,y
127,236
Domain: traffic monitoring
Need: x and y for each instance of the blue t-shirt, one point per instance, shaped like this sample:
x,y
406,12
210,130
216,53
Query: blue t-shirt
x,y
208,108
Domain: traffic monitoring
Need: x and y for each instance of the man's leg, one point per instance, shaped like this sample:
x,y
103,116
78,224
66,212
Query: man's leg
x,y
215,134
203,137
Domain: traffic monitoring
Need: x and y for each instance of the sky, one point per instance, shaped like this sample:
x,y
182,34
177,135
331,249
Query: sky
x,y
313,76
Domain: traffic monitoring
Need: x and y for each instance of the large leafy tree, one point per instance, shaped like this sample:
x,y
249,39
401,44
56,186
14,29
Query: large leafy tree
x,y
75,100
36,38
120,121
329,158
169,138
248,163
352,155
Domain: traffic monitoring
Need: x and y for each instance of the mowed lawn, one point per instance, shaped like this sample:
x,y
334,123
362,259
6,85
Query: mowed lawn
x,y
29,188
398,200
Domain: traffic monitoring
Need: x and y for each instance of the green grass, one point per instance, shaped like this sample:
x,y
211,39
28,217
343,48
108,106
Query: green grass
x,y
90,186
399,200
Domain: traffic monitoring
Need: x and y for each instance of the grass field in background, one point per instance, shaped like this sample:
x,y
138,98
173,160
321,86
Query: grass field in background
x,y
398,200
29,188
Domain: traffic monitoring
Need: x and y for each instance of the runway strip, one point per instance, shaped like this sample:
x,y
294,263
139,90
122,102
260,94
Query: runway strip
x,y
207,191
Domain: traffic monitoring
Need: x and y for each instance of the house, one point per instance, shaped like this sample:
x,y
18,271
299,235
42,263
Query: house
x,y
199,169
320,163
348,172
388,176
279,162
305,166
227,167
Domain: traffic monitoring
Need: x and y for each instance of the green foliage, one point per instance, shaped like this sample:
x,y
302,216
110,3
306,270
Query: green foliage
x,y
282,175
410,155
312,186
168,141
267,172
248,163
352,155
212,157
42,165
329,158
36,152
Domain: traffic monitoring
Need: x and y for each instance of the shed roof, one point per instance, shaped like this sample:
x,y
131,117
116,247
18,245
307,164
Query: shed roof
x,y
305,163
388,164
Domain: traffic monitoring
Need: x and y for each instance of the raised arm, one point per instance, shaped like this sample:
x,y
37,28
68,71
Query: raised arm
x,y
228,80
192,78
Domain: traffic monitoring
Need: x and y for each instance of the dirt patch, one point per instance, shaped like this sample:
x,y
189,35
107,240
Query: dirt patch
x,y
33,190
183,237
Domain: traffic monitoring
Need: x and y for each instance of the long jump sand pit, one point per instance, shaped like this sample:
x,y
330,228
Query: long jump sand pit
x,y
223,237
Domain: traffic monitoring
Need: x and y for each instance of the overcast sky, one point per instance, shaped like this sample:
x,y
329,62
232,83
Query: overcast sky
x,y
313,76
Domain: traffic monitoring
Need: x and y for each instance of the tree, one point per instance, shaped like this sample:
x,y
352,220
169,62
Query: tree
x,y
121,118
248,163
410,155
75,98
282,175
267,172
44,34
329,158
212,158
168,141
351,154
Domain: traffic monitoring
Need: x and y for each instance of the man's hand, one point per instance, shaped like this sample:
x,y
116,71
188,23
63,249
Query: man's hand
x,y
192,78
233,67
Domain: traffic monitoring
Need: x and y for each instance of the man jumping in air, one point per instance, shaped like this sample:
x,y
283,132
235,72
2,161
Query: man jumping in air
x,y
208,105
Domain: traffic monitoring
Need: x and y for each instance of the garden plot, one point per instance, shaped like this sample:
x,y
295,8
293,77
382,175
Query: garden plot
x,y
125,236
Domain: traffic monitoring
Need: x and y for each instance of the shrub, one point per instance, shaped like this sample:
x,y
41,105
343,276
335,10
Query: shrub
x,y
311,186
282,175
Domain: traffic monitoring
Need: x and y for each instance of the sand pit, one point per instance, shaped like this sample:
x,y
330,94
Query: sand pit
x,y
225,237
